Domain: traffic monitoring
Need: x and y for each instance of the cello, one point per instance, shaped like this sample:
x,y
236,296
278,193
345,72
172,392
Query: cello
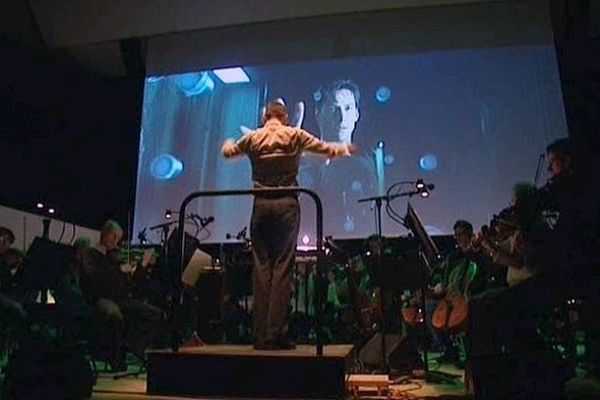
x,y
452,311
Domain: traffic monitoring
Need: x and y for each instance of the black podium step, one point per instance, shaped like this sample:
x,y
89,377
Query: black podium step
x,y
241,371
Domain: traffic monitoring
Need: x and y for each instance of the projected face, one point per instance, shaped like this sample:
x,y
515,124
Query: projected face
x,y
338,115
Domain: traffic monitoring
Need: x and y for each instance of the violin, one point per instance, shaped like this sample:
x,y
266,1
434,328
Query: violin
x,y
501,226
130,258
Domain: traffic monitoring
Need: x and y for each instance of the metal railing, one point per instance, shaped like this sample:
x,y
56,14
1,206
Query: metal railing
x,y
320,296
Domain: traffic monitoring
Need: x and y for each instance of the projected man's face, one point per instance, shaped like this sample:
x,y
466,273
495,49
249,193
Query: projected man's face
x,y
338,116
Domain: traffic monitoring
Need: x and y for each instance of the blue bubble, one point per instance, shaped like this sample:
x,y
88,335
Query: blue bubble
x,y
194,83
428,162
389,159
165,167
317,95
383,94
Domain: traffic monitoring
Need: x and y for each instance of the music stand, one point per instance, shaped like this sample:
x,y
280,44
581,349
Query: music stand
x,y
47,262
428,255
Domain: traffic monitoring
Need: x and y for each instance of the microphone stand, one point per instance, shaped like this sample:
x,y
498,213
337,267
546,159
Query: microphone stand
x,y
383,329
168,298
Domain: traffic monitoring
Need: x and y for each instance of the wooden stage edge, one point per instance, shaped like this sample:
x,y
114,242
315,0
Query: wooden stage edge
x,y
336,350
240,371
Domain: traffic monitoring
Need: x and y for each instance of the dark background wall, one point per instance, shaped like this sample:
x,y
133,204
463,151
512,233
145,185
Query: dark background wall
x,y
67,137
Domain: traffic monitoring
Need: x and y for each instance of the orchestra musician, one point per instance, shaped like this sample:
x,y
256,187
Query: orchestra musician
x,y
132,323
462,273
504,322
11,308
575,201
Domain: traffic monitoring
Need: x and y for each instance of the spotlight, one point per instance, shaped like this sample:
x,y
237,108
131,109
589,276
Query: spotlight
x,y
231,75
51,211
424,194
420,184
168,214
381,144
40,205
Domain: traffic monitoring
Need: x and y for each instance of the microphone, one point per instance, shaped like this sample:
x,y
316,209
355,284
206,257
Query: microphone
x,y
421,186
424,189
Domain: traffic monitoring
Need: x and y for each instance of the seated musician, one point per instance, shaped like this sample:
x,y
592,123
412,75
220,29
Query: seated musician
x,y
359,301
68,291
11,308
505,322
132,323
462,273
147,280
13,276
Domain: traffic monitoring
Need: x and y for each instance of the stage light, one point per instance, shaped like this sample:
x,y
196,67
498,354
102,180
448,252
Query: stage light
x,y
168,214
51,211
305,240
231,75
40,205
420,184
425,194
381,144
165,167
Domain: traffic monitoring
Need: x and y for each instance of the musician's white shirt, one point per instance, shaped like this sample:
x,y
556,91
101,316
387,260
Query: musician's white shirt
x,y
515,274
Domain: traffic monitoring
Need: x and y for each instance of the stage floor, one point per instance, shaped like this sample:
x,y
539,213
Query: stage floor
x,y
135,387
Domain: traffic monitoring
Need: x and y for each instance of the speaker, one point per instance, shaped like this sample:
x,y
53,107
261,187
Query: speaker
x,y
401,354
